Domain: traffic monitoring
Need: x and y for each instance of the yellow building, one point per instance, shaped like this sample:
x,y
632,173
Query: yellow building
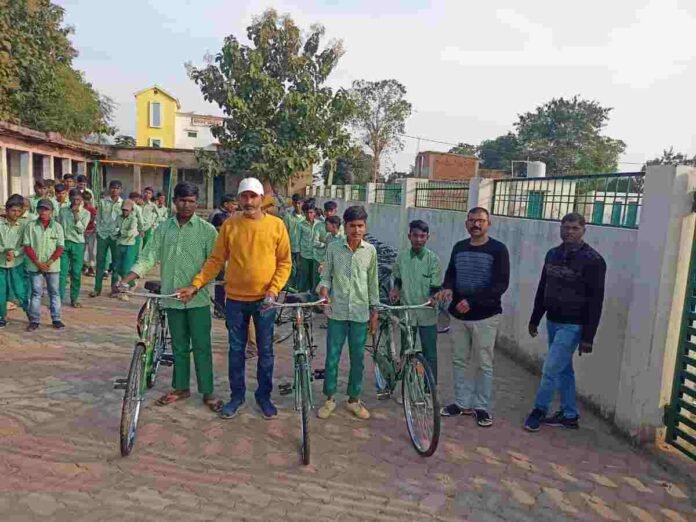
x,y
155,118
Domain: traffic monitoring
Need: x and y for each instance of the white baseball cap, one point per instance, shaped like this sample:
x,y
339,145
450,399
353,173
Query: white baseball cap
x,y
250,185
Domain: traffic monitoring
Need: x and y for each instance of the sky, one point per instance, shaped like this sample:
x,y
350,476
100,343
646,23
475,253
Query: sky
x,y
470,67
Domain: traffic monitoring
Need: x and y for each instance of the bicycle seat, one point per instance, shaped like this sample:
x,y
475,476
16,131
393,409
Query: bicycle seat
x,y
296,298
154,287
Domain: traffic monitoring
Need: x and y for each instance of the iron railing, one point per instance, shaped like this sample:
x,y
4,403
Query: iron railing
x,y
340,192
603,199
358,193
443,195
388,194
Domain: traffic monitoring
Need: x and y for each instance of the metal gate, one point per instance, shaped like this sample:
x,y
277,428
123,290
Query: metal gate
x,y
680,415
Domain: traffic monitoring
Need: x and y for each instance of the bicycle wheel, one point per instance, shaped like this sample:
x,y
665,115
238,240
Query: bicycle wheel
x,y
159,338
132,400
303,383
421,407
142,314
382,356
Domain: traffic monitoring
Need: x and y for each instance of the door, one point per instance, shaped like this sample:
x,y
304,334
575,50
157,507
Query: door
x,y
631,218
598,213
616,211
535,204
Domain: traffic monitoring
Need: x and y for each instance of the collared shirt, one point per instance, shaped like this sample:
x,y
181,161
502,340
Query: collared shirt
x,y
127,229
351,278
325,240
28,217
309,237
11,237
138,212
181,252
74,230
44,241
292,222
162,215
107,214
149,216
57,207
419,273
34,200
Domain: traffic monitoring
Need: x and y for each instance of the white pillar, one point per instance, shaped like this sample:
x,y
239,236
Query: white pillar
x,y
67,165
408,200
81,168
210,192
26,169
332,192
370,193
4,176
47,170
481,193
666,206
137,178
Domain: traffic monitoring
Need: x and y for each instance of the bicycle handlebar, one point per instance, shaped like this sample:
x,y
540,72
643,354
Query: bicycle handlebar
x,y
297,305
153,296
397,308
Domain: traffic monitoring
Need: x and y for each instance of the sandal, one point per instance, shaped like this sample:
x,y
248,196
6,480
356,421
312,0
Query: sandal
x,y
172,397
215,405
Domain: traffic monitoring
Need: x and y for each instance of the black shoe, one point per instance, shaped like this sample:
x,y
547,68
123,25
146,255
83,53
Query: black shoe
x,y
452,410
268,409
3,323
533,422
58,325
559,420
483,418
32,326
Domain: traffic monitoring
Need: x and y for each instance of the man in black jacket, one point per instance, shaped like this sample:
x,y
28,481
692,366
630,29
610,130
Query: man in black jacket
x,y
570,293
477,276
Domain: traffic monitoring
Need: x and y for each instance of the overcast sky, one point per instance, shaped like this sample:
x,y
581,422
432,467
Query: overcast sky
x,y
470,67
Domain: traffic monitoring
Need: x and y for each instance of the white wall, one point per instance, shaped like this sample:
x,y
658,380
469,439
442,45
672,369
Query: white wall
x,y
183,124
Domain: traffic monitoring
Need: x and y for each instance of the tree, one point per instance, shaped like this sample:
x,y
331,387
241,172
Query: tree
x,y
380,118
281,116
38,86
670,157
566,135
465,149
124,141
352,169
499,152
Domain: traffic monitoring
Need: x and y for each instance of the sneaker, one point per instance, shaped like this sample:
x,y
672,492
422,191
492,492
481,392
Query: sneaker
x,y
452,410
32,326
3,323
327,409
483,418
533,422
358,409
122,297
58,325
559,420
268,409
231,409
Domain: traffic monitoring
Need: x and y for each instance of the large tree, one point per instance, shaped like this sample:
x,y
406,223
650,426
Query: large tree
x,y
672,157
281,117
465,149
567,135
498,153
382,111
354,168
39,88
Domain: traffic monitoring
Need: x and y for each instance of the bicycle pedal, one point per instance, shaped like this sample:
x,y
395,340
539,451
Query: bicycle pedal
x,y
319,374
120,384
383,396
285,389
167,359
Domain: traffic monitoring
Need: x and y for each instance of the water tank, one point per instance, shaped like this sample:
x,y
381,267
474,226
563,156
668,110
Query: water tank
x,y
536,169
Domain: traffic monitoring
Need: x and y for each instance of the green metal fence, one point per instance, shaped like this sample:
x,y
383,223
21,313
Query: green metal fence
x,y
358,193
603,199
442,195
389,194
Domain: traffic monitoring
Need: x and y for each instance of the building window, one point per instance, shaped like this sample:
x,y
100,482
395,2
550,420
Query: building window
x,y
192,134
155,114
156,143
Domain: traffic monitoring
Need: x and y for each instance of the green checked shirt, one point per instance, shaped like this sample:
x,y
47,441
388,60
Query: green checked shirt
x,y
181,252
57,207
127,229
309,237
74,230
138,211
419,274
292,222
351,278
325,239
11,237
162,215
149,216
108,212
44,241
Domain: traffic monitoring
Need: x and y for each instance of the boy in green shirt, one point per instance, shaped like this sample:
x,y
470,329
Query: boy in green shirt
x,y
12,276
333,232
292,219
43,245
149,214
74,220
309,230
350,284
417,278
62,201
40,192
108,211
127,233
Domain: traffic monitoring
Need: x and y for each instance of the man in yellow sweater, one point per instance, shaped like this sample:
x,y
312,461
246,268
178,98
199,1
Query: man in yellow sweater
x,y
256,248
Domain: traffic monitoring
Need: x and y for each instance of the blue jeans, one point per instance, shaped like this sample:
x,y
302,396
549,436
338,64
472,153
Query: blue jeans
x,y
239,313
558,373
53,284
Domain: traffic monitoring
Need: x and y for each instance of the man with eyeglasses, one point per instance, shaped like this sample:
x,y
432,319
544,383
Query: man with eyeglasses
x,y
477,276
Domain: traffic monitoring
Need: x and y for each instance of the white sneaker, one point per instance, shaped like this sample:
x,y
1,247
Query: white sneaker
x,y
358,409
327,409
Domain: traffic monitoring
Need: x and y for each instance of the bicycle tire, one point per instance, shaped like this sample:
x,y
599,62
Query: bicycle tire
x,y
305,407
132,400
418,388
382,358
140,321
160,337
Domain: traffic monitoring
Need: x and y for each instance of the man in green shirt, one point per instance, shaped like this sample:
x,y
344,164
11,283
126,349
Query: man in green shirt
x,y
292,219
181,246
40,192
127,225
309,231
74,220
108,211
162,209
417,277
62,200
149,214
43,245
12,275
350,284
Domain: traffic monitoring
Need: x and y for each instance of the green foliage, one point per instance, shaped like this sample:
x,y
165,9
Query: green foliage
x,y
38,86
670,157
124,141
281,117
380,117
465,149
499,152
353,169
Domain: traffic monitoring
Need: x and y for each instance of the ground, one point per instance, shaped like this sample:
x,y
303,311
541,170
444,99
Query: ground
x,y
59,456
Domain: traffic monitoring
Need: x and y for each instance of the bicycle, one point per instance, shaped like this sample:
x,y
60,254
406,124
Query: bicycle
x,y
420,403
148,355
303,352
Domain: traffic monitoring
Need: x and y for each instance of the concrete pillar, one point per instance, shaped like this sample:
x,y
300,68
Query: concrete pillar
x,y
137,178
408,200
67,165
4,176
481,193
348,192
210,195
666,205
47,167
332,192
370,193
26,169
81,168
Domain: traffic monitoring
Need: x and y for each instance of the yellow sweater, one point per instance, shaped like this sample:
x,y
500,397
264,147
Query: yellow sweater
x,y
257,253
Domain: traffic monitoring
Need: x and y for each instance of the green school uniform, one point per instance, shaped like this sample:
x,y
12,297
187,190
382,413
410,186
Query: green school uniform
x,y
12,275
73,257
44,241
108,212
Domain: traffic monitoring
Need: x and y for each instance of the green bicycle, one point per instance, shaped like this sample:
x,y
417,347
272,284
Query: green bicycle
x,y
303,352
148,355
418,388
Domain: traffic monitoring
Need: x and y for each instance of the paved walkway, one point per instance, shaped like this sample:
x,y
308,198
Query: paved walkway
x,y
59,457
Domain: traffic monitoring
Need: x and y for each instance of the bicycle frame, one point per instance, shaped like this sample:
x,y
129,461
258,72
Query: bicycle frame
x,y
410,346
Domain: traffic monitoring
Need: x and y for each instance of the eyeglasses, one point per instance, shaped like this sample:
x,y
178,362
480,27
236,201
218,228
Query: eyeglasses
x,y
477,221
